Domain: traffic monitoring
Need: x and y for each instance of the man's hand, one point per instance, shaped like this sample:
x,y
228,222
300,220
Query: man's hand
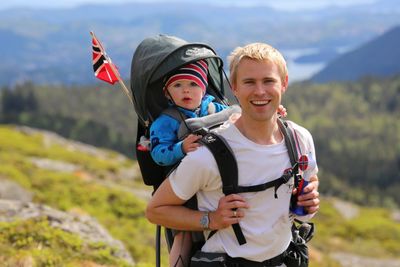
x,y
310,197
229,211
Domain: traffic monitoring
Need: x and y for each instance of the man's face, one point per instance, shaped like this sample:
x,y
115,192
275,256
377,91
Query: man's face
x,y
259,88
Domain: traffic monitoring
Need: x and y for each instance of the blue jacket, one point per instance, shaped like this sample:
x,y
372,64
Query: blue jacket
x,y
166,148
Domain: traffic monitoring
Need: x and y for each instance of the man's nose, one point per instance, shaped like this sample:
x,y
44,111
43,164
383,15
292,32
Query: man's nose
x,y
259,88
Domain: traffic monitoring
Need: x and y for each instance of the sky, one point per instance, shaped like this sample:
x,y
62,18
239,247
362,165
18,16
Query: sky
x,y
281,4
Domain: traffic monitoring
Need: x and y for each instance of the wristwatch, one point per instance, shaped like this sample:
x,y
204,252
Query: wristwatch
x,y
205,221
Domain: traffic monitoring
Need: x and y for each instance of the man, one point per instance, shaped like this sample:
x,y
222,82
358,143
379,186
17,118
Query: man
x,y
259,77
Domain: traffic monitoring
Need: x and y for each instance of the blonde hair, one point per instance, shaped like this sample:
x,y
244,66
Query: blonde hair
x,y
260,52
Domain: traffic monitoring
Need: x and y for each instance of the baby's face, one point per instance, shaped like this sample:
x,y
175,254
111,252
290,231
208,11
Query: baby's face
x,y
185,93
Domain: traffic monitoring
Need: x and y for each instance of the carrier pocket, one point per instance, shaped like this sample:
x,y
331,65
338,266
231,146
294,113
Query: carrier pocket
x,y
297,255
208,259
297,252
152,173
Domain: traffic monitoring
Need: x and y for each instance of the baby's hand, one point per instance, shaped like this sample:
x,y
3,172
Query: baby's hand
x,y
190,143
282,111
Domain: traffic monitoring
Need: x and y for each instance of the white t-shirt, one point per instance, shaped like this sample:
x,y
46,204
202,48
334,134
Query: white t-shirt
x,y
266,224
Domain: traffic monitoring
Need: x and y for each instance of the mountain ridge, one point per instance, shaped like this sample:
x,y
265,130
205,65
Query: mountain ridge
x,y
56,43
379,57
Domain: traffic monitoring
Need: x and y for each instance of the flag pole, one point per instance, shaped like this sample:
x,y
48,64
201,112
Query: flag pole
x,y
116,73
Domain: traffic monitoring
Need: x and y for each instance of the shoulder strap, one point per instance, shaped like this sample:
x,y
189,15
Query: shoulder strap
x,y
226,161
292,149
228,170
289,141
293,154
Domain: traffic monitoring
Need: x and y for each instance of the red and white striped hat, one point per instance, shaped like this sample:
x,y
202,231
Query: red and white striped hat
x,y
196,71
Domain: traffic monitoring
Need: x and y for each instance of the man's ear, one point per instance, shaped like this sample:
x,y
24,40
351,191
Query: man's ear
x,y
233,87
285,84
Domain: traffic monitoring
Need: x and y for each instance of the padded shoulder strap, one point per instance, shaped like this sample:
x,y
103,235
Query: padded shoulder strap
x,y
226,161
228,170
290,143
293,155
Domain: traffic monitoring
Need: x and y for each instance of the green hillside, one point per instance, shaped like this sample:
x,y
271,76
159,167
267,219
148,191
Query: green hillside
x,y
107,186
103,184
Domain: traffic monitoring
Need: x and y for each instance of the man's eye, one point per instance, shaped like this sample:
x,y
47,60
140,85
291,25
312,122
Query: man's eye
x,y
267,81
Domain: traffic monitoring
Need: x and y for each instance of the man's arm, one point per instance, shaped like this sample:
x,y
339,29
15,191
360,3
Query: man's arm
x,y
166,208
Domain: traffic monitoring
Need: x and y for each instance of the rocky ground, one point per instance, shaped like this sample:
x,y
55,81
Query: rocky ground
x,y
85,226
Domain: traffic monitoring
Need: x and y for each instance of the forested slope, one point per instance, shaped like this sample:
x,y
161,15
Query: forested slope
x,y
356,130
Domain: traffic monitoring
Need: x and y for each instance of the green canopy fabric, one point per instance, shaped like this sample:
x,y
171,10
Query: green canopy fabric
x,y
156,57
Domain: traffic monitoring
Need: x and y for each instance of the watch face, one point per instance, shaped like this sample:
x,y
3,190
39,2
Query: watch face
x,y
204,220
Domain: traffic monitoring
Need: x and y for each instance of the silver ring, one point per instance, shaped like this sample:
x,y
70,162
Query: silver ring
x,y
234,213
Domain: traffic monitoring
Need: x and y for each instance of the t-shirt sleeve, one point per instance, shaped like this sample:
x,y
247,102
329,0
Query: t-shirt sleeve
x,y
194,173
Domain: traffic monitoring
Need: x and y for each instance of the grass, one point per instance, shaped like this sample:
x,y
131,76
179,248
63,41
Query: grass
x,y
120,212
36,242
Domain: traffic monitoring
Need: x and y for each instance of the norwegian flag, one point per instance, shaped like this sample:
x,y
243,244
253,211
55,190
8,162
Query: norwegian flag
x,y
103,68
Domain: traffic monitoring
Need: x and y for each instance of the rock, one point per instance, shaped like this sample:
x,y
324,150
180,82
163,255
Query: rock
x,y
12,191
51,138
396,216
346,209
85,226
54,165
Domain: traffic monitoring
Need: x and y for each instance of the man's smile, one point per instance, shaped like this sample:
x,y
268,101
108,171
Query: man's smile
x,y
260,102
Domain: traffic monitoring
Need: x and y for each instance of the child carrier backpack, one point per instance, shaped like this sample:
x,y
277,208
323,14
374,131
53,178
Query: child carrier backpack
x,y
154,59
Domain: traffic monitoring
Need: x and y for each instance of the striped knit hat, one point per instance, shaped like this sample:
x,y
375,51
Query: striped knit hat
x,y
196,71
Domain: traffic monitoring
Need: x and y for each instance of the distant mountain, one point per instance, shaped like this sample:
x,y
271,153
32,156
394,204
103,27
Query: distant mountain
x,y
53,45
379,57
323,55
